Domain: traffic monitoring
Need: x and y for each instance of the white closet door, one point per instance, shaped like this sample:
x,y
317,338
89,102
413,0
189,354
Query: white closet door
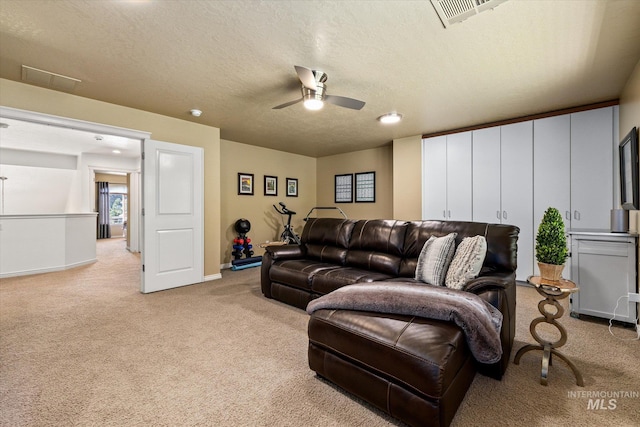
x,y
516,143
592,168
459,177
434,185
486,175
551,168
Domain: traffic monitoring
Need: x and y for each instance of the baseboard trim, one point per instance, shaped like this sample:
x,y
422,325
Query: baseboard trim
x,y
46,270
213,277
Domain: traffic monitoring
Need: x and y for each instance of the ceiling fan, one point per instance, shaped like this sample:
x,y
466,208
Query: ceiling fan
x,y
314,92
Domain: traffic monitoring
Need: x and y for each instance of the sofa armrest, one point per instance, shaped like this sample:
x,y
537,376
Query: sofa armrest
x,y
493,281
285,252
275,253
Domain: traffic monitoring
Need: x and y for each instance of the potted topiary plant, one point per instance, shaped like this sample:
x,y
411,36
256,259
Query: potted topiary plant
x,y
551,245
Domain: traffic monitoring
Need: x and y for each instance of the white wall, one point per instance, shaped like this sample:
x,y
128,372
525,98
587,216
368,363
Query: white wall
x,y
82,194
46,183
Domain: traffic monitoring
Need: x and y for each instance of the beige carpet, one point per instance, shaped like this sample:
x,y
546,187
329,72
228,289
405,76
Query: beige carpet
x,y
85,348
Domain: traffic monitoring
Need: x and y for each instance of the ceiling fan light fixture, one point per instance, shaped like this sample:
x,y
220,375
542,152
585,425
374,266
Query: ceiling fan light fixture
x,y
313,101
390,118
195,112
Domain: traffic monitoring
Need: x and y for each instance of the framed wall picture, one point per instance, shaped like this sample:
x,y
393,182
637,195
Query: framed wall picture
x,y
344,188
245,183
270,185
292,187
629,171
365,187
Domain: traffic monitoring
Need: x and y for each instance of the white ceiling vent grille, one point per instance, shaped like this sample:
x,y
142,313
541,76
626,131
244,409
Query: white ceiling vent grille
x,y
452,11
48,79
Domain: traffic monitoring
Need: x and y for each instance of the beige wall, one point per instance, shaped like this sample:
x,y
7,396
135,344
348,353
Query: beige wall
x,y
379,160
407,178
266,224
163,128
630,103
116,179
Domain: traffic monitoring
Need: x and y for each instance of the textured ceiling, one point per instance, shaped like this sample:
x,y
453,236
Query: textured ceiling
x,y
234,60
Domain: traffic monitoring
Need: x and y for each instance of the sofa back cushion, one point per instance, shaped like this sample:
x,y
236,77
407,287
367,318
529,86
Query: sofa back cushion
x,y
377,245
327,239
501,242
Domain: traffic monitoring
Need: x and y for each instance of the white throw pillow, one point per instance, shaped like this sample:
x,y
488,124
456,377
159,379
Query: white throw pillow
x,y
434,259
467,262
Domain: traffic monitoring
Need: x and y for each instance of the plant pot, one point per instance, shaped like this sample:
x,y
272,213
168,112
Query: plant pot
x,y
551,272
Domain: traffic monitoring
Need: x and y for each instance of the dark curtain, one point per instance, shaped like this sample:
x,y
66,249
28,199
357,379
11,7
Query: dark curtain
x,y
104,229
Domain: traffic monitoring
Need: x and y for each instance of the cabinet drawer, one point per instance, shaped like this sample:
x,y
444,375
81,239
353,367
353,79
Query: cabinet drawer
x,y
601,248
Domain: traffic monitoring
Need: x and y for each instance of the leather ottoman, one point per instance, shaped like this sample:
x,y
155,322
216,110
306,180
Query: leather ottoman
x,y
415,369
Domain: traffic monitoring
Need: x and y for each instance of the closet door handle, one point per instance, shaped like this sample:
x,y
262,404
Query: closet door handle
x,y
448,214
498,214
444,214
567,214
504,214
576,215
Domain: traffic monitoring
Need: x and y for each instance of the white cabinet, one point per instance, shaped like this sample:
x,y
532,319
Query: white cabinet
x,y
447,177
503,183
592,135
573,167
603,265
552,167
486,175
511,174
434,178
517,189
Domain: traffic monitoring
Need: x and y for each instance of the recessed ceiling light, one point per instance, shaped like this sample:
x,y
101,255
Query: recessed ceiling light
x,y
116,151
99,137
196,113
3,125
390,118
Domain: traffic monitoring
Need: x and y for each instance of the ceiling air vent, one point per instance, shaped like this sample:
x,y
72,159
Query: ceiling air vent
x,y
452,11
48,79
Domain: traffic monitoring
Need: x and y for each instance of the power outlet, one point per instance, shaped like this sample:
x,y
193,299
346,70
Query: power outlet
x,y
633,297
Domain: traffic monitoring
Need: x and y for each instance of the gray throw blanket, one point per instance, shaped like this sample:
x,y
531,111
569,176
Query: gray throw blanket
x,y
480,321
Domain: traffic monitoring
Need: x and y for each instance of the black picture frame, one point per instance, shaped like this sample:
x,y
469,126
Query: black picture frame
x,y
344,188
365,187
245,184
629,170
292,187
270,185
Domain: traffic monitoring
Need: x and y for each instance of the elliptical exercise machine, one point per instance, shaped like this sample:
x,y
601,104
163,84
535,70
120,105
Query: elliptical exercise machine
x,y
287,236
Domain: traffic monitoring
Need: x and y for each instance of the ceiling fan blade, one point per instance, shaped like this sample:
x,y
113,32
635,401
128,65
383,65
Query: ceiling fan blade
x,y
286,104
306,76
342,101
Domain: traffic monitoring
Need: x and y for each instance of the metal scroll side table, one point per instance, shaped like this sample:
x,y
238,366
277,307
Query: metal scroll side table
x,y
552,291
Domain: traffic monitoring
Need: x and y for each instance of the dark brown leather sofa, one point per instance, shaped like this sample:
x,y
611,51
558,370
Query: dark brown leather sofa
x,y
415,369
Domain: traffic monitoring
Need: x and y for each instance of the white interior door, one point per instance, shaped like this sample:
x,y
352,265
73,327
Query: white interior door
x,y
172,203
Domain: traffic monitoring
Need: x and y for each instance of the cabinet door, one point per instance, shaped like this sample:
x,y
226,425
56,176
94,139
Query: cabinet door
x,y
516,147
604,271
434,185
459,176
551,167
592,168
486,175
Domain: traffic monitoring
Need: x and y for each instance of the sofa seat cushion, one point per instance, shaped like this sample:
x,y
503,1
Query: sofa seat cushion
x,y
298,272
421,354
326,281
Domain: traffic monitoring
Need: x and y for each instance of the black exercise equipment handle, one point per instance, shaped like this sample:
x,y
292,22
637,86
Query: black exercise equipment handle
x,y
284,210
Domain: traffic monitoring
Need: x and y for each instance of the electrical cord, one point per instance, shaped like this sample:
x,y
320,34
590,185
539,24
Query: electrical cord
x,y
614,316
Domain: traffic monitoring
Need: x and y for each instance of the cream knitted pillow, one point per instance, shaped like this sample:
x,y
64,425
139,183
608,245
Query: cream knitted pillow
x,y
467,261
